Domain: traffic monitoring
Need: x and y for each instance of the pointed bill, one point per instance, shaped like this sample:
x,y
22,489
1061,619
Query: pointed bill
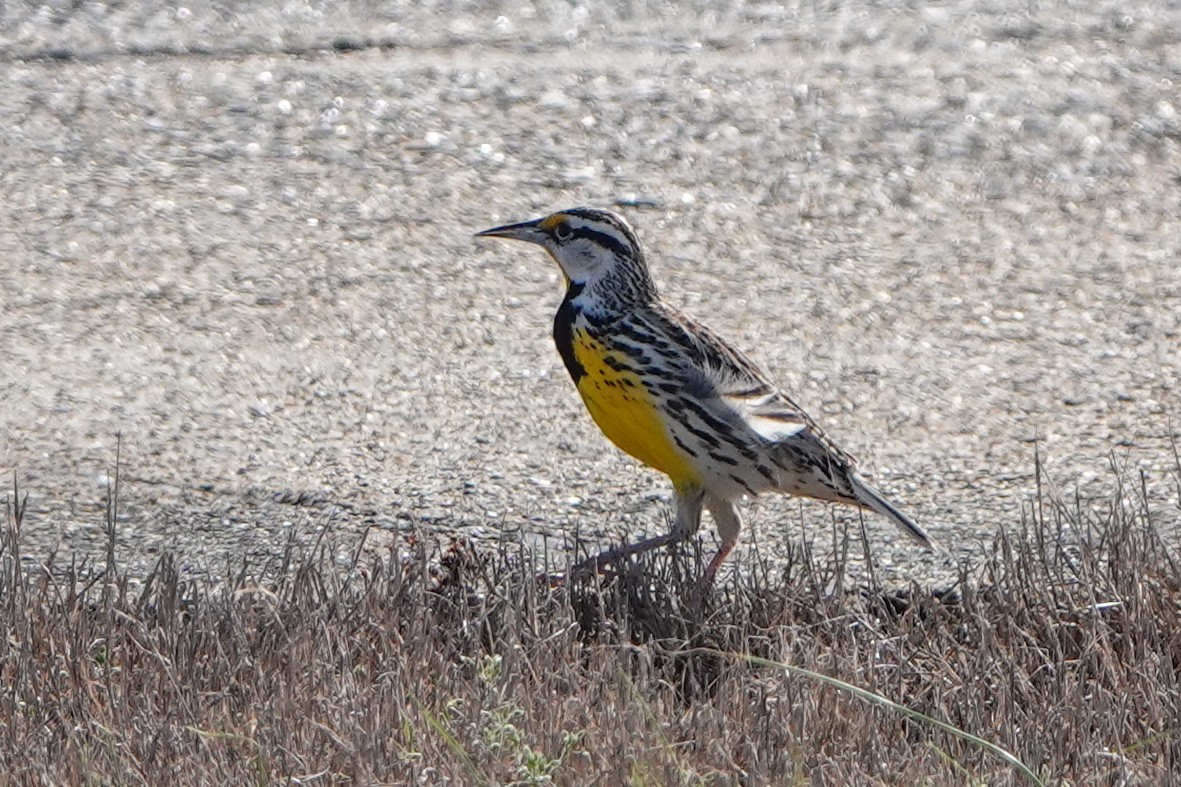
x,y
528,231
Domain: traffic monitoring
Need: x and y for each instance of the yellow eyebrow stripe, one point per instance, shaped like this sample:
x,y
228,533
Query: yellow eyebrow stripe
x,y
551,221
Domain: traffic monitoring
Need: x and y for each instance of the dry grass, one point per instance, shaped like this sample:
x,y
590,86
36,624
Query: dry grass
x,y
459,666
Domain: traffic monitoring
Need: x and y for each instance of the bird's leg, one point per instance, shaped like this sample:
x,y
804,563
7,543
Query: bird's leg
x,y
688,501
729,523
708,577
593,564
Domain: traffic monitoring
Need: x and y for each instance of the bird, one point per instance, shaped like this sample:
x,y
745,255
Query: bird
x,y
675,395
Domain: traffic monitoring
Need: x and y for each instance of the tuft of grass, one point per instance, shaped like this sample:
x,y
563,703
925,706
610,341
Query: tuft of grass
x,y
446,661
901,710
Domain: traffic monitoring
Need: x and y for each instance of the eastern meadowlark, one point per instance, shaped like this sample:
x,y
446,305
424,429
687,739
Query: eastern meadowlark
x,y
675,395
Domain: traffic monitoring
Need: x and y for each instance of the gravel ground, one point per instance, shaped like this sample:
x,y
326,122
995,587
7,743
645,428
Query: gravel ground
x,y
244,244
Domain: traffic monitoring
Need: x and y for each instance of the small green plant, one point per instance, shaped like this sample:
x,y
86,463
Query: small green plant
x,y
500,739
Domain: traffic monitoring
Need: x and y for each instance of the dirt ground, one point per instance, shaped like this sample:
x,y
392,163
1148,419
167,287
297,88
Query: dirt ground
x,y
243,243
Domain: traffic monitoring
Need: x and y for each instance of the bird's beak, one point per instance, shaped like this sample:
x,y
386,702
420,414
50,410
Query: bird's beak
x,y
528,231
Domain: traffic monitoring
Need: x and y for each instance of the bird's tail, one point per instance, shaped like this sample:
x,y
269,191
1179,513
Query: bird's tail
x,y
870,498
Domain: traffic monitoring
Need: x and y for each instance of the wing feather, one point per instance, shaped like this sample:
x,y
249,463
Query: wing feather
x,y
725,380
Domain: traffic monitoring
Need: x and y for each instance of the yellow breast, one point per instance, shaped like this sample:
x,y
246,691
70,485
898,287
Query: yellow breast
x,y
623,409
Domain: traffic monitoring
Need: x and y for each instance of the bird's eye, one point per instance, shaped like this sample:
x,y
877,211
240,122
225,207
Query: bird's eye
x,y
563,231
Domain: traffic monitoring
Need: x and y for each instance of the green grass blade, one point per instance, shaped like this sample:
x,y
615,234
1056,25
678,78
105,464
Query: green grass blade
x,y
878,699
469,763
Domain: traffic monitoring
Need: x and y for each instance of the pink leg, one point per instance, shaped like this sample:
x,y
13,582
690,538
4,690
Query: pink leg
x,y
592,564
688,500
729,523
708,577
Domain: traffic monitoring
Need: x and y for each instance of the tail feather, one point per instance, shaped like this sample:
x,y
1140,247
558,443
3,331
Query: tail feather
x,y
870,498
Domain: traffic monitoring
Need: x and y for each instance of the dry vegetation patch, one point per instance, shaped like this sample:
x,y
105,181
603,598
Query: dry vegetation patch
x,y
457,664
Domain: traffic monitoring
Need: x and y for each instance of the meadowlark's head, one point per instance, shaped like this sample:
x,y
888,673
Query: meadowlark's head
x,y
597,251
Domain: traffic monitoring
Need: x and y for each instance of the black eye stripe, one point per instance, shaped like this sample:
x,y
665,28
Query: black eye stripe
x,y
603,239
